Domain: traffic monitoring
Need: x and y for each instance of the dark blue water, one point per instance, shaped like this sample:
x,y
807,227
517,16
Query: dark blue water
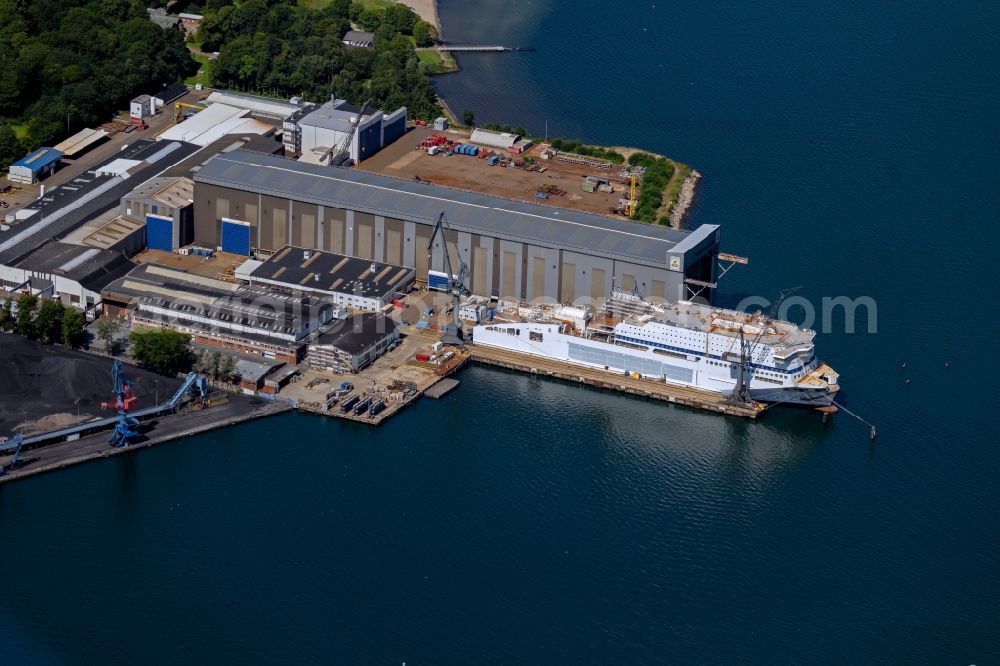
x,y
848,148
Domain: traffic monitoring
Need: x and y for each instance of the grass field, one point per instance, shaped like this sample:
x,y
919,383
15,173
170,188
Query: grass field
x,y
202,75
437,62
20,131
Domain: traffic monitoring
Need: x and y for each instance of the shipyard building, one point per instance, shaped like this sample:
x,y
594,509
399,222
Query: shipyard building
x,y
353,283
514,250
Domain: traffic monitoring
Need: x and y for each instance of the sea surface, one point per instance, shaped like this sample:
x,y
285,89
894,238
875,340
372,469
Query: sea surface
x,y
848,148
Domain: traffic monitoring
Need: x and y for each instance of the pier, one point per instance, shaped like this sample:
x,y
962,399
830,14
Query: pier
x,y
647,388
39,459
480,48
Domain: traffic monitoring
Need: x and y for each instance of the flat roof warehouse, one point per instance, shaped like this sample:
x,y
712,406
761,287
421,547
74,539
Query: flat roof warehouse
x,y
466,211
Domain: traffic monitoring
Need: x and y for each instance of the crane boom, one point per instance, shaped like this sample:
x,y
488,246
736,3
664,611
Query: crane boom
x,y
341,154
741,392
456,282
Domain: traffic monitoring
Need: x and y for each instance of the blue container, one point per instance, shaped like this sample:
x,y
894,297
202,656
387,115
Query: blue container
x,y
474,151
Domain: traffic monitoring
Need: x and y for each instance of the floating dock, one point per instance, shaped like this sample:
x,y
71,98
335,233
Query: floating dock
x,y
441,388
680,395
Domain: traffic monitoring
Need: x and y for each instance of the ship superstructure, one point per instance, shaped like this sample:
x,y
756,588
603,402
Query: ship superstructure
x,y
682,343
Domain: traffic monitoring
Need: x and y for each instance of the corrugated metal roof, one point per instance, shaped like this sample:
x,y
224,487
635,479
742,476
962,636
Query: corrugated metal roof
x,y
79,141
419,202
39,159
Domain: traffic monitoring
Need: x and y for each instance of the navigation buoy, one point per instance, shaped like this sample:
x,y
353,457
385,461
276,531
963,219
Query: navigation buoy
x,y
946,364
904,364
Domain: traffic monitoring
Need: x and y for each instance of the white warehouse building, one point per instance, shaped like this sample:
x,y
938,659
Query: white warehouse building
x,y
316,134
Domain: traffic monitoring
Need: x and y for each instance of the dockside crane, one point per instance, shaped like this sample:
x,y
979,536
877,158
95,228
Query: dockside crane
x,y
741,392
15,443
341,155
127,427
456,282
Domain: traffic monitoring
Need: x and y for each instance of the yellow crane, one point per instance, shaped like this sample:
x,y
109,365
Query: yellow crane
x,y
180,106
632,201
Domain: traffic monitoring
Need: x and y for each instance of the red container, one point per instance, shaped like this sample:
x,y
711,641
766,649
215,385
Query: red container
x,y
397,303
423,357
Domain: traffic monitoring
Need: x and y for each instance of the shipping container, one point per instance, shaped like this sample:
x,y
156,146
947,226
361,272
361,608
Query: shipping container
x,y
423,358
348,404
492,160
375,409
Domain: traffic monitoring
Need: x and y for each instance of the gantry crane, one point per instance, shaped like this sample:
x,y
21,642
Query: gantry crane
x,y
456,282
179,106
127,427
341,154
15,442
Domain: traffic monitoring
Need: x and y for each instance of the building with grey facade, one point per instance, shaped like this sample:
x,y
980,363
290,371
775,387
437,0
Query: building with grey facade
x,y
514,250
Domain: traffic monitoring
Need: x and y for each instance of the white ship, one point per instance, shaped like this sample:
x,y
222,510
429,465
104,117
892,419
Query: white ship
x,y
683,343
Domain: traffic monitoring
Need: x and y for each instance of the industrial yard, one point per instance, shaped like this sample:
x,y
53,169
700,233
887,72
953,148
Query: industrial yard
x,y
561,183
396,379
46,387
317,294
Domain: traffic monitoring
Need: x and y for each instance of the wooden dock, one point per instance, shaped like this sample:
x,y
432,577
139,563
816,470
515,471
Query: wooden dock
x,y
647,388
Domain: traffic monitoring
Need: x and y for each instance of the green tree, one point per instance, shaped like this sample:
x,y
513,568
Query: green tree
x,y
73,325
214,364
7,320
10,147
468,118
162,350
24,319
422,35
228,369
107,329
49,320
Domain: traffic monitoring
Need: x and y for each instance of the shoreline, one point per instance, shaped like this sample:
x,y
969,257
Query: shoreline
x,y
426,10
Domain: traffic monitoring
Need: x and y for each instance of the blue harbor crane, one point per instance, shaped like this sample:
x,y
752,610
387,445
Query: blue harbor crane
x,y
15,443
127,427
456,282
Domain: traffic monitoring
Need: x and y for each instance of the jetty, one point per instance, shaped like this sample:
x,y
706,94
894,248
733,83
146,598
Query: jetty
x,y
481,48
680,395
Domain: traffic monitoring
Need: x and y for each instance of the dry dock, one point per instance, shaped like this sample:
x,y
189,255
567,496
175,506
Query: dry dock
x,y
680,395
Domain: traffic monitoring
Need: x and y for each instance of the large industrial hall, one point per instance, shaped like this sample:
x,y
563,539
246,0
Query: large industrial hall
x,y
514,250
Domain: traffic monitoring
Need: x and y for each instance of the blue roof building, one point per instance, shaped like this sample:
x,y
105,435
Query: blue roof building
x,y
34,166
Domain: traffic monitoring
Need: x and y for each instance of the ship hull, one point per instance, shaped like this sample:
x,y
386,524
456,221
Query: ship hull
x,y
547,341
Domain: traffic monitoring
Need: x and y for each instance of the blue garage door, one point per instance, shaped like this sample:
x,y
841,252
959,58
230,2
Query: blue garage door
x,y
394,130
160,233
236,237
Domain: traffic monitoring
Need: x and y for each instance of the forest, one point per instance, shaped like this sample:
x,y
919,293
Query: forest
x,y
69,64
281,48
